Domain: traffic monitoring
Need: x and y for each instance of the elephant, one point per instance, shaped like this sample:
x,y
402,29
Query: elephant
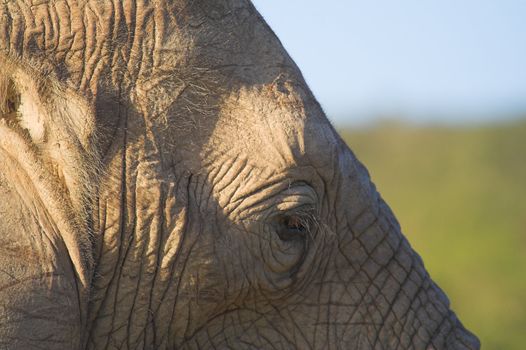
x,y
169,181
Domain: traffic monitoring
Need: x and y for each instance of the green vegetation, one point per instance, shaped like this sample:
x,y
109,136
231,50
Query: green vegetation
x,y
460,196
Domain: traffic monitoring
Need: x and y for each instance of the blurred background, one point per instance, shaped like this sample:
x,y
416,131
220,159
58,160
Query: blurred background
x,y
431,96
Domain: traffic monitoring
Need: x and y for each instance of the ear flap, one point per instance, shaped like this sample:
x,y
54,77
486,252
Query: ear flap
x,y
19,105
47,128
9,99
54,122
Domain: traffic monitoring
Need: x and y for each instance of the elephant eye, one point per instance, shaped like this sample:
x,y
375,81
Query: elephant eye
x,y
292,227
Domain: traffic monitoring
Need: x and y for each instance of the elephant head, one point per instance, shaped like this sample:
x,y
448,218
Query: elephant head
x,y
169,181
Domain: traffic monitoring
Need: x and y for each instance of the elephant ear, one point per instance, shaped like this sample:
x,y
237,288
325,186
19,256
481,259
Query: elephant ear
x,y
49,129
20,105
41,110
9,98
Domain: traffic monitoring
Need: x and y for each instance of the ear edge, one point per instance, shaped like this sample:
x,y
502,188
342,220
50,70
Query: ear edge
x,y
9,98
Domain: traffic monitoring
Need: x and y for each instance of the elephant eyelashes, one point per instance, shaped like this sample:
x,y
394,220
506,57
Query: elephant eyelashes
x,y
292,227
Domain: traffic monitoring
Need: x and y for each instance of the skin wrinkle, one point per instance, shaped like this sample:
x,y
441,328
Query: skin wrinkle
x,y
31,277
141,274
122,218
157,265
363,295
175,260
390,305
193,245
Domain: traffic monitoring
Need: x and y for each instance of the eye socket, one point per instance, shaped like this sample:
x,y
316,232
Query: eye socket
x,y
292,227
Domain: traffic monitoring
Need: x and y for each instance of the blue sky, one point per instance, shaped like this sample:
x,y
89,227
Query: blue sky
x,y
452,61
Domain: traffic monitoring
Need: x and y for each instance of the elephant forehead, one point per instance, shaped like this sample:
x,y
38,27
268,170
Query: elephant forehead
x,y
122,44
275,126
260,124
112,43
77,40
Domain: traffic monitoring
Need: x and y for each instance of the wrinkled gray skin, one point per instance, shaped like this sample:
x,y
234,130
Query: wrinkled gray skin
x,y
168,181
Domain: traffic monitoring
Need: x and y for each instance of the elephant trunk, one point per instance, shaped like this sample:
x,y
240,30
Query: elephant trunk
x,y
390,292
